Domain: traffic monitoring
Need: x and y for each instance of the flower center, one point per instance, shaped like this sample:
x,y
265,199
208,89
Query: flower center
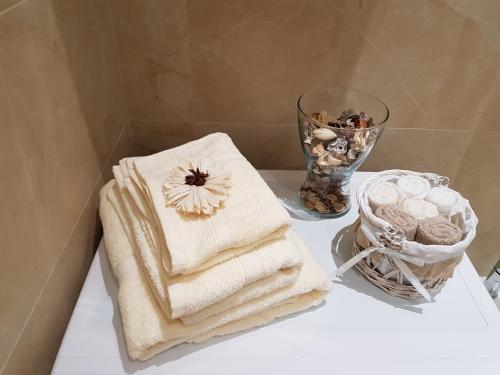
x,y
197,177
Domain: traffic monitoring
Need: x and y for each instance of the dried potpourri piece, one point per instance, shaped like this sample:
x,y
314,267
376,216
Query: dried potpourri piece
x,y
334,144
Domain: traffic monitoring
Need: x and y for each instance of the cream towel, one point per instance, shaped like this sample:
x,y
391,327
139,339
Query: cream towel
x,y
251,215
384,193
146,329
444,198
273,265
414,187
419,208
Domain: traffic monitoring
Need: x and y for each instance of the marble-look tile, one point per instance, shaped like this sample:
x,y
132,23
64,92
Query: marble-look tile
x,y
265,146
442,58
153,46
485,13
24,261
478,178
86,31
438,151
489,116
65,128
40,340
251,60
6,4
484,251
38,343
417,57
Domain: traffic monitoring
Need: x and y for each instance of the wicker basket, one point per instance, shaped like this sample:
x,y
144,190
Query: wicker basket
x,y
400,267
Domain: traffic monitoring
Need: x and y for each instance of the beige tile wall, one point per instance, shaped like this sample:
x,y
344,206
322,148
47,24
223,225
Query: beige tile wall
x,y
191,67
195,66
63,121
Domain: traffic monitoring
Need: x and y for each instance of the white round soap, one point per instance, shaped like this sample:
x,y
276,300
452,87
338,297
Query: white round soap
x,y
383,193
414,187
419,209
443,197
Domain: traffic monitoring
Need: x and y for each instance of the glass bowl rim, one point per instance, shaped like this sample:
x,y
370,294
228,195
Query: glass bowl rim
x,y
375,126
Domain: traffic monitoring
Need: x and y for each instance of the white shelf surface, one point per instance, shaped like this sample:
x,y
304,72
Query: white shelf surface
x,y
358,330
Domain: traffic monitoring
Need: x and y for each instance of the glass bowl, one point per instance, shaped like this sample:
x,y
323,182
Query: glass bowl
x,y
338,128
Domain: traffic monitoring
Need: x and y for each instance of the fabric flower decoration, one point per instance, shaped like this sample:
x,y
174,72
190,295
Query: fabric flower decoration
x,y
197,186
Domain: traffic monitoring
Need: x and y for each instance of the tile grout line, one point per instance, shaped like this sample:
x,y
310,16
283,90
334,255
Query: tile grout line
x,y
287,124
49,276
12,7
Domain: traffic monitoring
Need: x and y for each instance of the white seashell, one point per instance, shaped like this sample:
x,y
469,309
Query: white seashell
x,y
318,150
339,146
328,160
324,134
351,154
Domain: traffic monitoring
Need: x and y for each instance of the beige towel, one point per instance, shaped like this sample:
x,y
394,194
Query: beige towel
x,y
251,215
438,231
197,296
395,215
146,329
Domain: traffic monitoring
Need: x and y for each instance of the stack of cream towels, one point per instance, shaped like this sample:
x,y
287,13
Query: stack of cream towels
x,y
185,278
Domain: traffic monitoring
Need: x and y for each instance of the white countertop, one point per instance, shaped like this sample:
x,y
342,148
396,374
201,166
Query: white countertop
x,y
359,330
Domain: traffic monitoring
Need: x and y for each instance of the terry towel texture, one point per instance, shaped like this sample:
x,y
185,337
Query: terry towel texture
x,y
195,297
195,244
146,328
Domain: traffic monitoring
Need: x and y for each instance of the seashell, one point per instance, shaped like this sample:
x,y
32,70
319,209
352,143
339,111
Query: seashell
x,y
339,146
318,150
324,134
351,154
321,207
324,118
338,206
314,199
308,137
332,197
359,141
328,160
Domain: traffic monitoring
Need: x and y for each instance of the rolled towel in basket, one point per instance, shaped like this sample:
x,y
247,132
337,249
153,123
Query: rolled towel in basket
x,y
251,214
268,267
414,187
148,331
438,231
444,198
419,208
384,193
394,215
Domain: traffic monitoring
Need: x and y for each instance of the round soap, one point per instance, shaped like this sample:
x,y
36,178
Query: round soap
x,y
382,194
414,187
438,231
443,197
419,209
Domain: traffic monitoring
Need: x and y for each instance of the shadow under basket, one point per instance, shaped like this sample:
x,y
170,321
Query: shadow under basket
x,y
432,276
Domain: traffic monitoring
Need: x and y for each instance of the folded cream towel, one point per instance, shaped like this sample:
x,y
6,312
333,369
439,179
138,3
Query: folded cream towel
x,y
146,329
194,297
250,216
